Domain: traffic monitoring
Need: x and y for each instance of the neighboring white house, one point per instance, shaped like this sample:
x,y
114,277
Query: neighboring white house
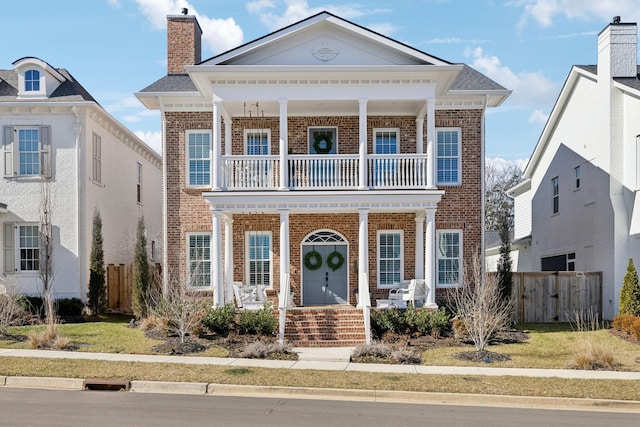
x,y
54,130
577,208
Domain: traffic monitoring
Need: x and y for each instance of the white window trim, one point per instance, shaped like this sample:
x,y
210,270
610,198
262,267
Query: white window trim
x,y
401,233
248,131
23,93
460,259
188,259
458,181
187,158
335,133
247,270
390,130
16,248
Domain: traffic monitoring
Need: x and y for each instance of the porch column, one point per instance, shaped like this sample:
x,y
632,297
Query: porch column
x,y
430,259
420,255
228,259
284,151
364,298
216,147
216,259
285,259
431,140
362,151
419,135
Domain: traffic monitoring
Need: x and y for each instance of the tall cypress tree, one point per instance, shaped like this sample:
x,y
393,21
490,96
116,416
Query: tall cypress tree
x,y
141,277
504,264
97,295
630,292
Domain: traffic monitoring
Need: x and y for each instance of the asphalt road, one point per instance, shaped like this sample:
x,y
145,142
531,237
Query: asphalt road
x,y
53,408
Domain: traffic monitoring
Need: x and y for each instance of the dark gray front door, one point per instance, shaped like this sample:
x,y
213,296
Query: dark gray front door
x,y
325,286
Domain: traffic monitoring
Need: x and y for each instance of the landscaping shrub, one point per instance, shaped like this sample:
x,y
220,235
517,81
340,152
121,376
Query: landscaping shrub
x,y
11,311
592,356
379,350
623,322
388,320
220,320
634,328
33,304
630,292
70,306
405,356
262,350
258,322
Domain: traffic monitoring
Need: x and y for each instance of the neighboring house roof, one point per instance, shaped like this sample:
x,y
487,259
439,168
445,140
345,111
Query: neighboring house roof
x,y
3,208
492,239
69,90
172,83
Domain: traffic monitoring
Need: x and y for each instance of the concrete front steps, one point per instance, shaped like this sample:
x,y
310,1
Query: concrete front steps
x,y
327,326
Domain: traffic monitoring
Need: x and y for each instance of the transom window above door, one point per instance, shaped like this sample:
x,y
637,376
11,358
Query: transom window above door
x,y
323,140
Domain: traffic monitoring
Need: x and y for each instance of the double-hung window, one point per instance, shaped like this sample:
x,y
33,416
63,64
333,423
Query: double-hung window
x,y
448,156
198,158
257,142
26,150
199,260
21,248
259,258
449,258
390,252
555,192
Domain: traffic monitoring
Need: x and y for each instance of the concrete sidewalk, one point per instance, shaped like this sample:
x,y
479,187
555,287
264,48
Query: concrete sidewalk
x,y
329,359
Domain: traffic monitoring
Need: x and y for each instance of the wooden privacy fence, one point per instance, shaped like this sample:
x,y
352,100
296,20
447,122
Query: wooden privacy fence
x,y
556,296
119,285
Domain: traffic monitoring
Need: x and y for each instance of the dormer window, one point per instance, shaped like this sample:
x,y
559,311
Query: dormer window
x,y
32,81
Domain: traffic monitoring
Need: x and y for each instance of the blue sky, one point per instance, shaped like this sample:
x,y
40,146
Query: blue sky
x,y
115,48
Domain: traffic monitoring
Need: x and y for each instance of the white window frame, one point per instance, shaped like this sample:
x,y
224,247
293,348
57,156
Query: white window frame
x,y
32,81
555,195
379,258
248,259
96,174
11,151
248,132
202,159
458,157
139,183
441,256
203,261
18,247
375,133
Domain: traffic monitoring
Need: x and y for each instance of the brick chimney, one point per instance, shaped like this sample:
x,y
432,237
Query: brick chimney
x,y
184,41
617,50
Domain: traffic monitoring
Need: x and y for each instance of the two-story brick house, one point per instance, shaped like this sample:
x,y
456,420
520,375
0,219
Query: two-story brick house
x,y
324,155
54,131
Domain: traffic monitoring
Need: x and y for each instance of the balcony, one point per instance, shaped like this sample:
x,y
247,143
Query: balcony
x,y
325,172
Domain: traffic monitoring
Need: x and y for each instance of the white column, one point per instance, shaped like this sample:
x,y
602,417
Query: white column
x,y
228,259
216,260
430,258
431,138
362,150
284,143
285,260
419,256
216,147
228,147
419,135
363,259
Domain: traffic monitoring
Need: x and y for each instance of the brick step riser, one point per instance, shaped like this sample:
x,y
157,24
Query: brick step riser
x,y
324,328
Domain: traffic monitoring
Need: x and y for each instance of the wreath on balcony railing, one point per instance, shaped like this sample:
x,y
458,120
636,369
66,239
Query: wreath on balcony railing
x,y
313,260
317,143
335,260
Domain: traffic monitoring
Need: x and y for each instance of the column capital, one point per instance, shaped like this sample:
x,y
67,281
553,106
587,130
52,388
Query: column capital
x,y
420,216
283,101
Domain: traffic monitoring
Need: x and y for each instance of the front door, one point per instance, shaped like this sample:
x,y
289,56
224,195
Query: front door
x,y
324,274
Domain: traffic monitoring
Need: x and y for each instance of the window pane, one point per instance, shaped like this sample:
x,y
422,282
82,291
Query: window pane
x,y
257,143
447,154
448,253
200,260
389,258
199,160
259,257
29,247
29,151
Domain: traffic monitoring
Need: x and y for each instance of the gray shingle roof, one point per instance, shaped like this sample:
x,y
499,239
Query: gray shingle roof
x,y
69,90
172,83
632,82
470,79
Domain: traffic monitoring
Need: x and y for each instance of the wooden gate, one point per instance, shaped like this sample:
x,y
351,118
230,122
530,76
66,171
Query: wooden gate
x,y
555,296
119,287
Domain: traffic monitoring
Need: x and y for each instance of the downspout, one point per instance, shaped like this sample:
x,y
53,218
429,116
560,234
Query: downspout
x,y
482,181
165,242
80,210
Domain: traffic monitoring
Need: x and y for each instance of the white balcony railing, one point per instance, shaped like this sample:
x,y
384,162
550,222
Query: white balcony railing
x,y
325,172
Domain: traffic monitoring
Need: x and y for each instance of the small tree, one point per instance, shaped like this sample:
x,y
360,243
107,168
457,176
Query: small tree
x,y
479,304
141,277
504,264
97,295
11,312
46,267
630,292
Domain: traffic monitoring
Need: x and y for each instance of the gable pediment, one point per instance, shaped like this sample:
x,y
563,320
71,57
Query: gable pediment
x,y
324,40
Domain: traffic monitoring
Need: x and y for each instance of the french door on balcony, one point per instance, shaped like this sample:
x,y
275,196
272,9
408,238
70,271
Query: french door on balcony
x,y
323,141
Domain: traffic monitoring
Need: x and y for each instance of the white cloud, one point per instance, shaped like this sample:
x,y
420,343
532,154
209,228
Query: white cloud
x,y
259,5
538,116
152,138
218,35
530,89
543,12
114,3
385,28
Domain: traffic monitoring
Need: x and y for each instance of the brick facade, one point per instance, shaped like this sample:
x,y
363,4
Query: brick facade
x,y
459,209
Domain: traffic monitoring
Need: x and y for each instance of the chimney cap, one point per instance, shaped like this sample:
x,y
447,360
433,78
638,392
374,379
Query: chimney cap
x,y
185,11
616,20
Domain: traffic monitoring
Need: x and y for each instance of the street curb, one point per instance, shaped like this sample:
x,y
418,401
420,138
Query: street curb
x,y
44,382
168,387
3,380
